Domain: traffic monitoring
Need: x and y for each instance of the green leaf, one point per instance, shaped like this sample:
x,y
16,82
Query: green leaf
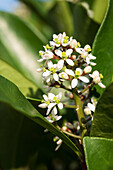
x,y
85,28
102,125
24,85
20,45
98,153
10,94
103,48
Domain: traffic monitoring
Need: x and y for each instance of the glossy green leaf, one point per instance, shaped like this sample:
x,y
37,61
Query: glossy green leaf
x,y
20,45
24,85
85,28
102,125
98,153
103,48
10,94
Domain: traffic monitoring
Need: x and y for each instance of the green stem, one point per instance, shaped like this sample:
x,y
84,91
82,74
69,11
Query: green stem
x,y
86,88
70,106
80,113
70,134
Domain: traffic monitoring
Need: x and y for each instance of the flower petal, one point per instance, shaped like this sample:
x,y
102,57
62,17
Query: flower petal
x,y
43,105
58,52
46,73
84,79
91,106
54,111
51,96
69,72
60,106
51,105
74,83
45,97
60,65
101,85
55,76
50,64
70,62
68,52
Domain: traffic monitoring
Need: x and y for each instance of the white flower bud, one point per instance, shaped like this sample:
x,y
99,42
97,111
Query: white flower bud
x,y
87,69
84,55
87,111
87,47
73,43
96,79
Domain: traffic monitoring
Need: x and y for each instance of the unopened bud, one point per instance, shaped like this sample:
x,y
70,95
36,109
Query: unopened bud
x,y
87,111
96,79
73,43
87,69
73,57
87,48
84,55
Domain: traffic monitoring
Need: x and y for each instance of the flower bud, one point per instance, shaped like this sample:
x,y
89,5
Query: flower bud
x,y
87,69
87,48
87,111
73,43
84,55
96,79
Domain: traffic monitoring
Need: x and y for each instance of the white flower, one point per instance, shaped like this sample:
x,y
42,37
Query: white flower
x,y
65,56
77,75
53,117
73,43
97,78
51,101
90,57
45,55
52,70
58,142
90,106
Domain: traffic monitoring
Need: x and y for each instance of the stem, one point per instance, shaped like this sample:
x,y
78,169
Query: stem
x,y
86,88
80,114
70,134
70,106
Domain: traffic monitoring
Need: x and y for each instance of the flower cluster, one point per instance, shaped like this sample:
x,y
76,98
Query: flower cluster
x,y
65,64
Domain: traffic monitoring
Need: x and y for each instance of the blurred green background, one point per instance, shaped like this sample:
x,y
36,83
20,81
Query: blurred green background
x,y
25,26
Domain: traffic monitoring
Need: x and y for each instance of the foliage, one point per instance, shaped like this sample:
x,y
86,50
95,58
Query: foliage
x,y
21,37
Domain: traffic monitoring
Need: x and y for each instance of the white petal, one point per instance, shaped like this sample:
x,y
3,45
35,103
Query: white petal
x,y
40,60
91,106
55,76
50,64
59,96
52,43
39,70
51,105
48,110
58,52
101,85
70,62
74,83
69,72
80,50
46,73
58,118
43,105
60,64
54,111
51,96
60,106
91,56
48,80
68,52
92,63
84,79
45,97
